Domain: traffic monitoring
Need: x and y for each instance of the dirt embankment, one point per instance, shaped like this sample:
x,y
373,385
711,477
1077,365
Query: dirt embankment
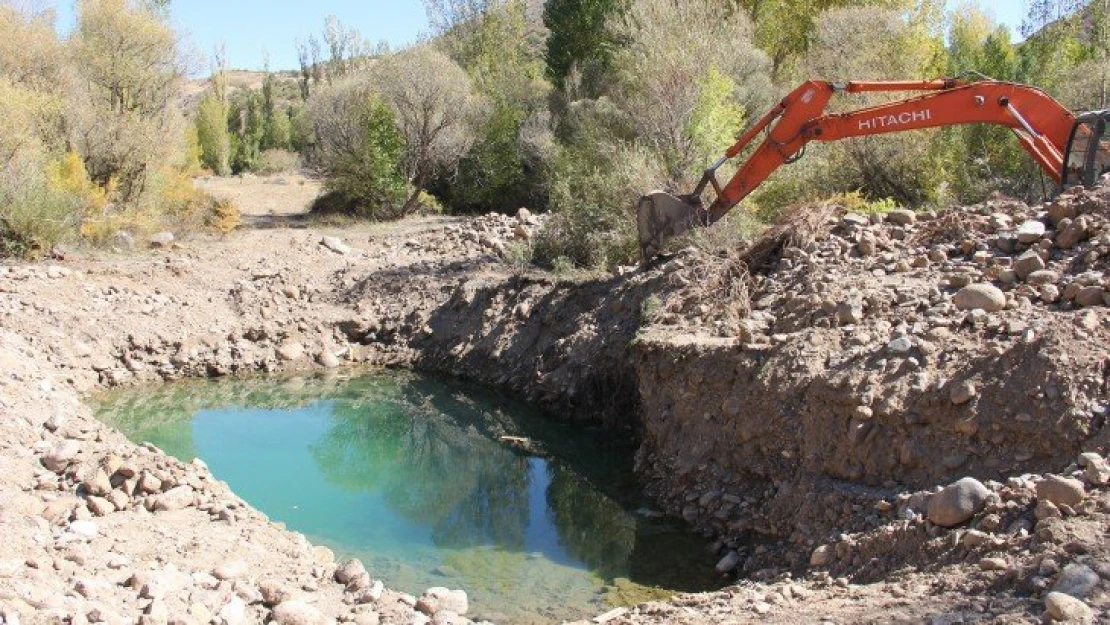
x,y
805,431
884,357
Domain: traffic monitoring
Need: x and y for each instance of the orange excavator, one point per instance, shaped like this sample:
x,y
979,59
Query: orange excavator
x,y
1073,149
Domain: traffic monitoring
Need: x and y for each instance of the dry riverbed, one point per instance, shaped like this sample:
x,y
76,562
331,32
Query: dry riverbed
x,y
879,361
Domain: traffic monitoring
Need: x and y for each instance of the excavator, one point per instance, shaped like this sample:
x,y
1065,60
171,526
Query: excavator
x,y
1073,149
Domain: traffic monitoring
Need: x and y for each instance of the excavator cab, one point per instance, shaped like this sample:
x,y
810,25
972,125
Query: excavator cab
x,y
1088,151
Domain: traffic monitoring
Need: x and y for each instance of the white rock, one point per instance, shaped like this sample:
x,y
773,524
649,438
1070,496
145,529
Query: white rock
x,y
233,613
161,239
1061,490
290,351
336,245
444,599
230,570
1030,231
87,529
900,345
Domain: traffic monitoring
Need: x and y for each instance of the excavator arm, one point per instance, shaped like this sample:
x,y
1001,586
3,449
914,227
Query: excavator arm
x,y
1042,125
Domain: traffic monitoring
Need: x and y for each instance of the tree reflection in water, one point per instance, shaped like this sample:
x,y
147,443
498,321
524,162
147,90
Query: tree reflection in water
x,y
429,469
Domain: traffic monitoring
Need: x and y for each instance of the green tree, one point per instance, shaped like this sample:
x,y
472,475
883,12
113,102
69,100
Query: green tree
x,y
580,43
122,119
360,149
673,82
505,167
883,44
248,119
215,141
434,102
786,28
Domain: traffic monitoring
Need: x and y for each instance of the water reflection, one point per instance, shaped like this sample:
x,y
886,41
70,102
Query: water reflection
x,y
408,473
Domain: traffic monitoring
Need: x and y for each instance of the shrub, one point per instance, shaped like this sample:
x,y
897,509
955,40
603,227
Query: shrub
x,y
518,256
224,216
174,203
358,152
593,200
35,215
68,175
855,202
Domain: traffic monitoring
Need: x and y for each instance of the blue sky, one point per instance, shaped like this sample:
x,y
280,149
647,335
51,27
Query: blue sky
x,y
251,28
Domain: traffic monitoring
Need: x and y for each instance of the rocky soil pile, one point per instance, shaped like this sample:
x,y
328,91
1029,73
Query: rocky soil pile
x,y
897,417
807,423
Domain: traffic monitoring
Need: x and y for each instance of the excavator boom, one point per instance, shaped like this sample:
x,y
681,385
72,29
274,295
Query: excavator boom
x,y
1044,127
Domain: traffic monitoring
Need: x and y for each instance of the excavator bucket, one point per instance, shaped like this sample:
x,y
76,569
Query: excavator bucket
x,y
661,216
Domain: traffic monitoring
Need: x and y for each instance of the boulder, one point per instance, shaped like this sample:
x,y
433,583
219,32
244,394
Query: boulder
x,y
957,503
230,570
290,351
980,296
1072,234
1061,490
1090,296
1077,580
297,613
821,556
274,592
161,239
352,574
962,392
60,457
901,217
1066,608
729,562
1027,263
177,498
1031,231
88,529
336,245
437,598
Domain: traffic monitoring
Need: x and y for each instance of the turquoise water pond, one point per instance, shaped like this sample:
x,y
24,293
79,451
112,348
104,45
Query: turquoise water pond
x,y
410,474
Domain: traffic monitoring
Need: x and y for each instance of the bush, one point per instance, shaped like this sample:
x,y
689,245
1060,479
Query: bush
x,y
518,256
224,216
35,215
358,153
593,202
